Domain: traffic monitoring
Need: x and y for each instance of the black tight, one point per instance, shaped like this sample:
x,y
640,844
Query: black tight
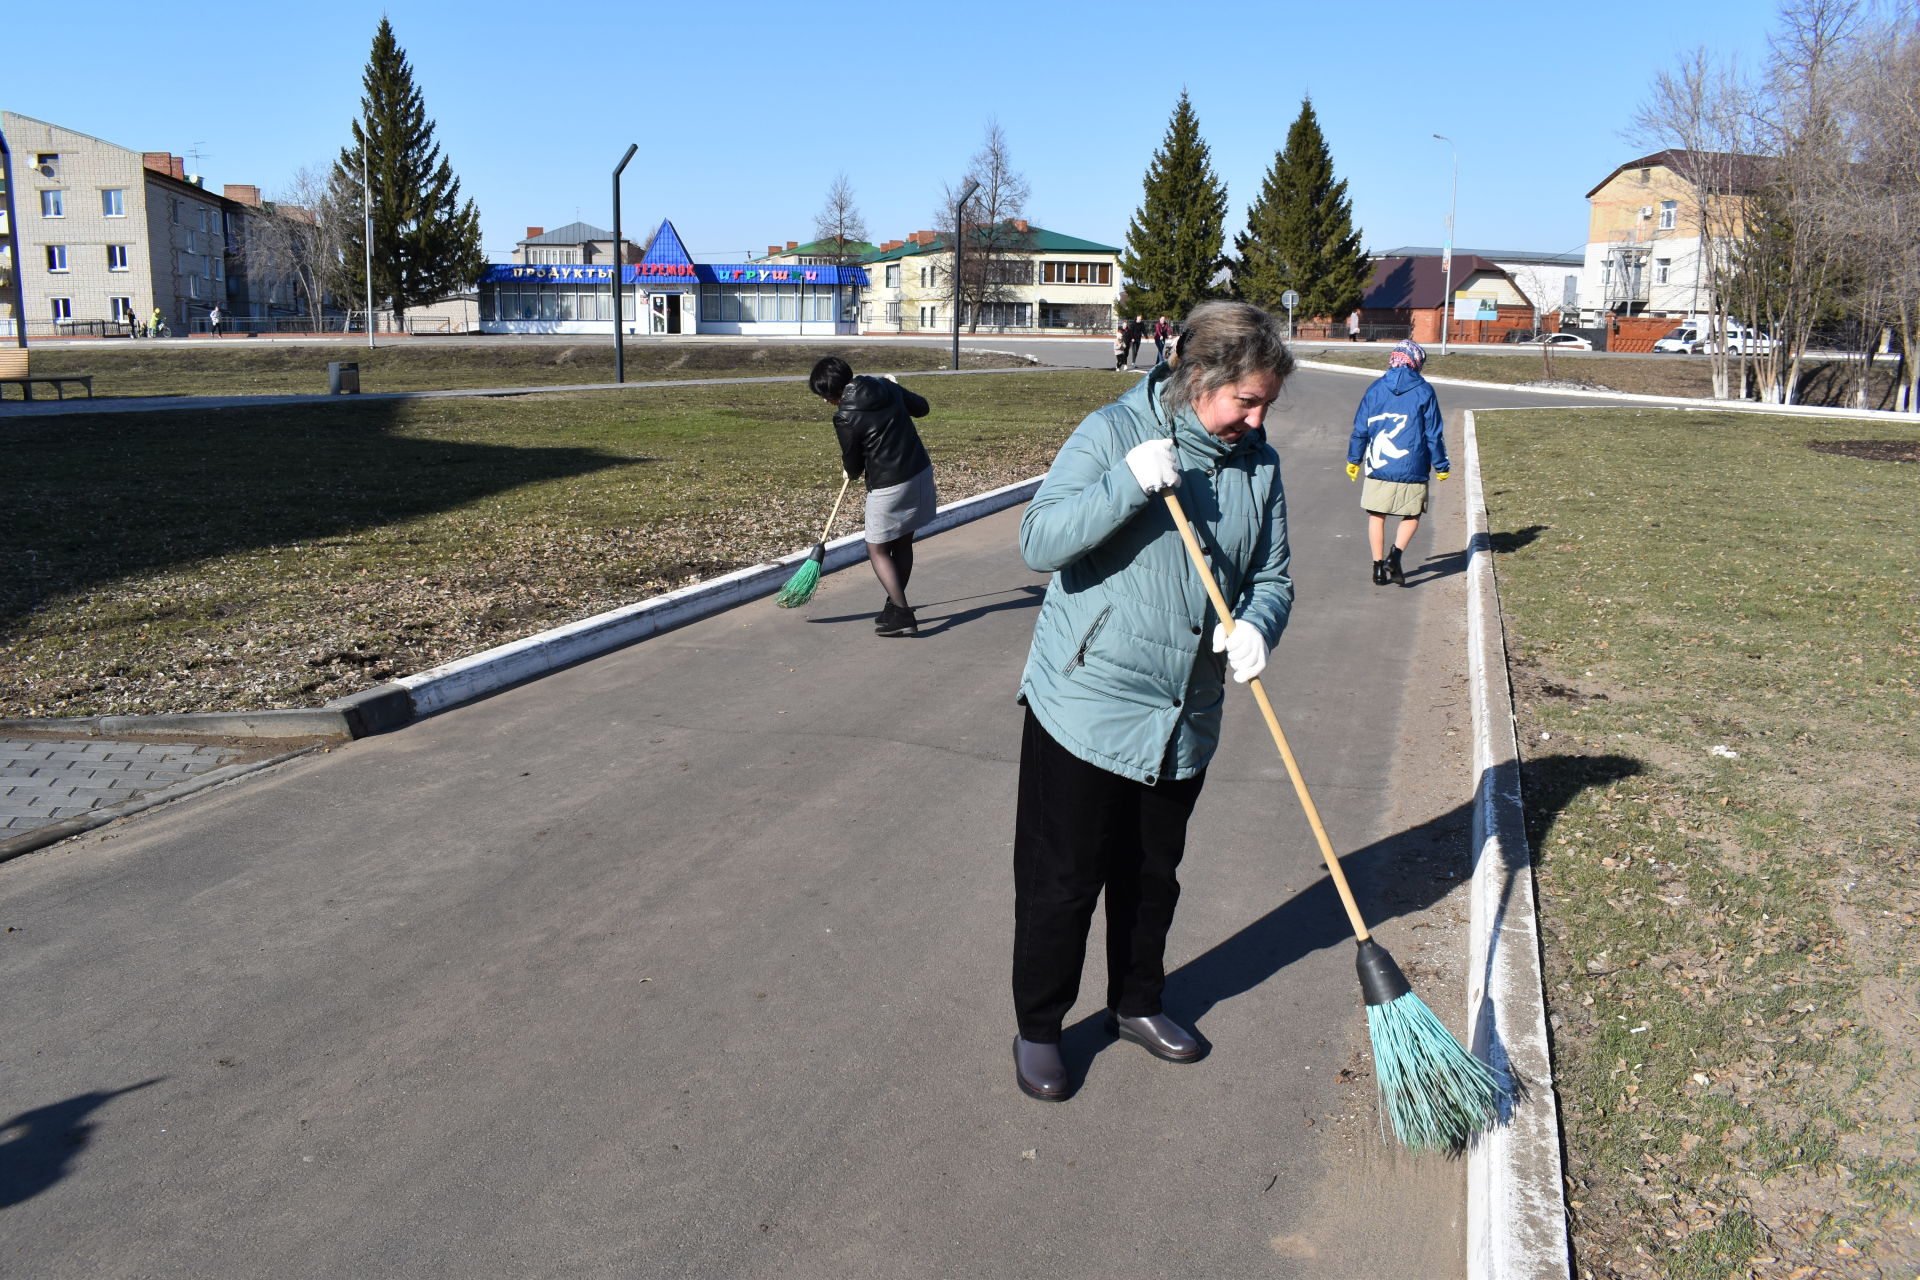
x,y
893,565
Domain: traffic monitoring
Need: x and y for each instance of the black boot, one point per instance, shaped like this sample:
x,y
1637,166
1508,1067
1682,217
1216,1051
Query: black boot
x,y
1394,573
895,621
1379,573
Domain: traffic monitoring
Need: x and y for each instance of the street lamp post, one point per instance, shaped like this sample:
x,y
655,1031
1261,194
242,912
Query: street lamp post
x,y
619,342
1446,269
959,238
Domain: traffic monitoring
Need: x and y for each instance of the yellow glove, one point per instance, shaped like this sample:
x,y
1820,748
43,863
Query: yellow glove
x,y
1353,471
1441,475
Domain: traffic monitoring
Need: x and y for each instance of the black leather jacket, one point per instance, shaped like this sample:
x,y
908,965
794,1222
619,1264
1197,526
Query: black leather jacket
x,y
877,436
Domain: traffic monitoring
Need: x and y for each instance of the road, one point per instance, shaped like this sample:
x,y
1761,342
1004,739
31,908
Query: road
x,y
691,961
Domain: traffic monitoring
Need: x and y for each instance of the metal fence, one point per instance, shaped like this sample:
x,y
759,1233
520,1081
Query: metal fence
x,y
231,326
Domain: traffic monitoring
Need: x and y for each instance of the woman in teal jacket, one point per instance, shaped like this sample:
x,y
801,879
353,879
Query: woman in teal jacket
x,y
1123,689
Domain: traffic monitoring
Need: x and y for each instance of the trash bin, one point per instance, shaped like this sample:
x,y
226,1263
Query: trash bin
x,y
343,376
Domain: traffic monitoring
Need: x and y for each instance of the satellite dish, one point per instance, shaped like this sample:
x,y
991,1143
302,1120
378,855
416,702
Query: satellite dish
x,y
46,171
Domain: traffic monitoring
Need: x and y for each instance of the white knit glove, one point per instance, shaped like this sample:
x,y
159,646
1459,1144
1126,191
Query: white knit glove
x,y
1246,650
1155,465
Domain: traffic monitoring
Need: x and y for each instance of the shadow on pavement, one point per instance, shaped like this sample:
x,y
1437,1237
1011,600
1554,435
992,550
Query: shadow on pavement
x,y
48,1139
1401,875
933,623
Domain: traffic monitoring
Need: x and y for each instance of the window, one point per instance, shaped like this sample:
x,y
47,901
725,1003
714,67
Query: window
x,y
926,275
1003,315
929,317
193,242
193,286
1645,175
176,210
1075,273
46,162
62,308
893,314
122,308
893,275
116,257
1662,268
56,257
1669,214
113,202
206,219
1570,293
53,204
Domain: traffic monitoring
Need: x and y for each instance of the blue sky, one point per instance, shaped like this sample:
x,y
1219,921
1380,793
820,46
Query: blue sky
x,y
744,112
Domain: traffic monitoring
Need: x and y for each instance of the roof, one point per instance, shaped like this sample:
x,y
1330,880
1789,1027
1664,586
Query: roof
x,y
572,233
1420,282
1743,172
1039,240
1573,259
857,248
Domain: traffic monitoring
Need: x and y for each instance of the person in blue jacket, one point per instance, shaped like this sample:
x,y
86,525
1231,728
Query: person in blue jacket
x,y
1126,674
1397,438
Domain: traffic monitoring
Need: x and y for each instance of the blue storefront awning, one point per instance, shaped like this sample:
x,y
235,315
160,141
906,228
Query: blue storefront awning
x,y
670,273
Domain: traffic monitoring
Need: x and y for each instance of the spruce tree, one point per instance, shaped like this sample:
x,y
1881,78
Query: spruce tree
x,y
1175,238
1300,233
426,244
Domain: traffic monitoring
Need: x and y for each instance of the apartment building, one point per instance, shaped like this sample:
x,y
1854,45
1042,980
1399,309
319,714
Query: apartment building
x,y
108,235
1044,282
1644,237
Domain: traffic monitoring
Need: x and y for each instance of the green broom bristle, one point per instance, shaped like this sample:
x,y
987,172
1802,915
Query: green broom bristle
x,y
799,588
1439,1096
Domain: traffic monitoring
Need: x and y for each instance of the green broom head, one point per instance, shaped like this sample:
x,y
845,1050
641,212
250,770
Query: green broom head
x,y
800,586
1439,1096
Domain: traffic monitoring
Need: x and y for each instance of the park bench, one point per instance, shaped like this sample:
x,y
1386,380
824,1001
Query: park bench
x,y
14,368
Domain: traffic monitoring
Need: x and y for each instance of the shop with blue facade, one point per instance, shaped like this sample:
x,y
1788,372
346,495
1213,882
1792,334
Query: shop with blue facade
x,y
667,292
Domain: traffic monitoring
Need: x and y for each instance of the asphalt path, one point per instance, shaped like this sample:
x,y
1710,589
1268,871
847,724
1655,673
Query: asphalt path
x,y
691,961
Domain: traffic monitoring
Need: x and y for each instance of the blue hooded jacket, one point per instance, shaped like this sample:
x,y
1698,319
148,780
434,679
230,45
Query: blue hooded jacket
x,y
1398,431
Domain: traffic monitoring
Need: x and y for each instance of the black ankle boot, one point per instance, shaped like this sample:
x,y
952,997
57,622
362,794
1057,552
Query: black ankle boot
x,y
1379,573
1394,574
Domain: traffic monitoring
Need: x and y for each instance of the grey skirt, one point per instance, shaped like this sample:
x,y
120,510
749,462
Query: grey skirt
x,y
899,509
1392,498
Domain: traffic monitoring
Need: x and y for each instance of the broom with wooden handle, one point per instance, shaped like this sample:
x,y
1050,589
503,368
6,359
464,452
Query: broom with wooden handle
x,y
799,588
1437,1094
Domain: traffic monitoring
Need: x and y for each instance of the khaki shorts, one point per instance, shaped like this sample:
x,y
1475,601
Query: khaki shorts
x,y
1390,498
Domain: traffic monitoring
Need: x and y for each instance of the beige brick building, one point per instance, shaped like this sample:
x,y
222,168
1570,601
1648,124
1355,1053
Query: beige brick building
x,y
107,235
1054,284
1644,232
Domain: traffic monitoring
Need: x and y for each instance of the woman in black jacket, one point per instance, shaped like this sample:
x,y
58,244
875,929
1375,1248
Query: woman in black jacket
x,y
874,419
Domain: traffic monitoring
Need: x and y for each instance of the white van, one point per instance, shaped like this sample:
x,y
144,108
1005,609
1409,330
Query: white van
x,y
1740,340
1680,341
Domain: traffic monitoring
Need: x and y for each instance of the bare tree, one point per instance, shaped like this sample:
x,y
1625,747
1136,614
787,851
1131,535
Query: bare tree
x,y
1702,114
839,223
1882,195
297,238
998,245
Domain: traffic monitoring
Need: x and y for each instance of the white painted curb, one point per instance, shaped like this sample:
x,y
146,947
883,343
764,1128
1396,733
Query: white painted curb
x,y
1516,1197
1634,397
464,679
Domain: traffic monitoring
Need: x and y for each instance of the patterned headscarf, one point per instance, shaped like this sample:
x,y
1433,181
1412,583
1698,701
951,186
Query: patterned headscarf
x,y
1407,353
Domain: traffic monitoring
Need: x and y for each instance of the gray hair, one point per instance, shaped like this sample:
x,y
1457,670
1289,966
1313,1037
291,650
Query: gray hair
x,y
1222,343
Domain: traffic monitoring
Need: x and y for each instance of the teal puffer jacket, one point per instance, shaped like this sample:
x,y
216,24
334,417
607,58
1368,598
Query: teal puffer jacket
x,y
1122,671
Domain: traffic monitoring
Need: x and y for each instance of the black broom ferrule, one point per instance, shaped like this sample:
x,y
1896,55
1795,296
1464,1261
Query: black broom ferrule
x,y
1381,981
819,553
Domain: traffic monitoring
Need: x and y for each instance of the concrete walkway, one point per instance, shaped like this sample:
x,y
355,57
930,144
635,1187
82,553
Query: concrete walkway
x,y
47,780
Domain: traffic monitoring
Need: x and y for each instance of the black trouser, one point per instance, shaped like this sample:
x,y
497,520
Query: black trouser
x,y
1078,830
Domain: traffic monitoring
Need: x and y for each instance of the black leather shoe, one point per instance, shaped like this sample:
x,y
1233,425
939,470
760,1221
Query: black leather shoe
x,y
1158,1034
1379,573
1038,1070
1395,574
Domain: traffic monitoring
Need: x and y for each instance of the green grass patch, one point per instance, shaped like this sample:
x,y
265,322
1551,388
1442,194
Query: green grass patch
x,y
1714,637
274,557
1825,382
242,367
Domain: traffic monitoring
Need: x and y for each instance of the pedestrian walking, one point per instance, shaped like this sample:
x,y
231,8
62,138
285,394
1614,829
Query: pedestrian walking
x,y
873,418
1353,325
1125,678
213,322
1136,333
1398,437
1162,332
1120,346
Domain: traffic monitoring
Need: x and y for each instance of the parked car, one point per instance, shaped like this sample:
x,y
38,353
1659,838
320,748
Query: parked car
x,y
1561,342
1679,341
1740,341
